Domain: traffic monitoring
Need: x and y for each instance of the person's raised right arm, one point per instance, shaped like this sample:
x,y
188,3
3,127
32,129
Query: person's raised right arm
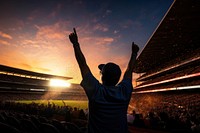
x,y
78,54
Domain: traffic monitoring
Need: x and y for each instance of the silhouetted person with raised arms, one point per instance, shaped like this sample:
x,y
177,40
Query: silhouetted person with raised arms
x,y
108,101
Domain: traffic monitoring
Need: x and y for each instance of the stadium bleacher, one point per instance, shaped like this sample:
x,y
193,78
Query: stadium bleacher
x,y
19,84
169,68
172,54
176,35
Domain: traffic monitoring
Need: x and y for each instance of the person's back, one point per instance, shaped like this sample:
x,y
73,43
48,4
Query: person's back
x,y
108,106
108,102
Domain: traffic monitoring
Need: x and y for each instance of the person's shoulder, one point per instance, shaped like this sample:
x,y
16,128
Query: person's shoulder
x,y
89,79
88,75
126,80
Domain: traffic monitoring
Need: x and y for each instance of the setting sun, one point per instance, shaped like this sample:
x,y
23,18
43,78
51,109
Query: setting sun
x,y
59,83
34,34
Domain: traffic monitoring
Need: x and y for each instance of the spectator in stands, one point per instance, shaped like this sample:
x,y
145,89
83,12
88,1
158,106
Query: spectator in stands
x,y
138,121
108,101
131,117
75,113
82,115
68,116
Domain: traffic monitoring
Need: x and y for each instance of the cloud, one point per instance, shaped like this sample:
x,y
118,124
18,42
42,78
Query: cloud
x,y
50,32
4,35
101,27
4,42
50,51
116,31
46,37
50,37
30,43
97,40
17,25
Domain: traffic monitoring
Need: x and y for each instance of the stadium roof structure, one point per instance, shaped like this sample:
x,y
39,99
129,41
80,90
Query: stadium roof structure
x,y
18,71
177,34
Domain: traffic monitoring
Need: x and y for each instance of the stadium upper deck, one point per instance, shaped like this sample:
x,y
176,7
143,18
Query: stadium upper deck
x,y
176,35
19,79
21,72
171,57
21,84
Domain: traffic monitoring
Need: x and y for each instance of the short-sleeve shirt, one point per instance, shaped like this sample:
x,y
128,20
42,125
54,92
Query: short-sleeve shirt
x,y
107,105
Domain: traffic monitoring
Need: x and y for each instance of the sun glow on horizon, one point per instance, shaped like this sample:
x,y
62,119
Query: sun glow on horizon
x,y
34,34
59,83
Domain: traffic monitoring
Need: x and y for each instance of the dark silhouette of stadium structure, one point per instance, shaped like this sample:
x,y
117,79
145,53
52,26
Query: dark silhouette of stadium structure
x,y
171,57
169,72
15,78
18,81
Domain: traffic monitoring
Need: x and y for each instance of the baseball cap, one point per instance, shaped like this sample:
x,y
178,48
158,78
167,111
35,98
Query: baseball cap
x,y
110,71
110,67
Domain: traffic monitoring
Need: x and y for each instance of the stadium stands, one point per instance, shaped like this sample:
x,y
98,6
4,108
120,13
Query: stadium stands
x,y
176,35
36,118
19,84
15,78
171,57
167,92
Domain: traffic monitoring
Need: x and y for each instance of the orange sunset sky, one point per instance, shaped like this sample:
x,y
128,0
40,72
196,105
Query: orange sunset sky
x,y
34,33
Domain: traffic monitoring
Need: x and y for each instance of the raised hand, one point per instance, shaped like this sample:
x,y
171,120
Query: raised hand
x,y
135,48
78,54
73,37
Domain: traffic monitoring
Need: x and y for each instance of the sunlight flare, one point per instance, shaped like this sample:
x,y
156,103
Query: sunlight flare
x,y
59,83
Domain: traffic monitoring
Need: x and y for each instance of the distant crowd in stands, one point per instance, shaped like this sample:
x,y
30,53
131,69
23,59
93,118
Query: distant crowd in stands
x,y
21,95
170,112
40,118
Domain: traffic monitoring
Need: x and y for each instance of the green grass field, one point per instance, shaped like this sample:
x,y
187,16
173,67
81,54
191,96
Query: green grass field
x,y
72,103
